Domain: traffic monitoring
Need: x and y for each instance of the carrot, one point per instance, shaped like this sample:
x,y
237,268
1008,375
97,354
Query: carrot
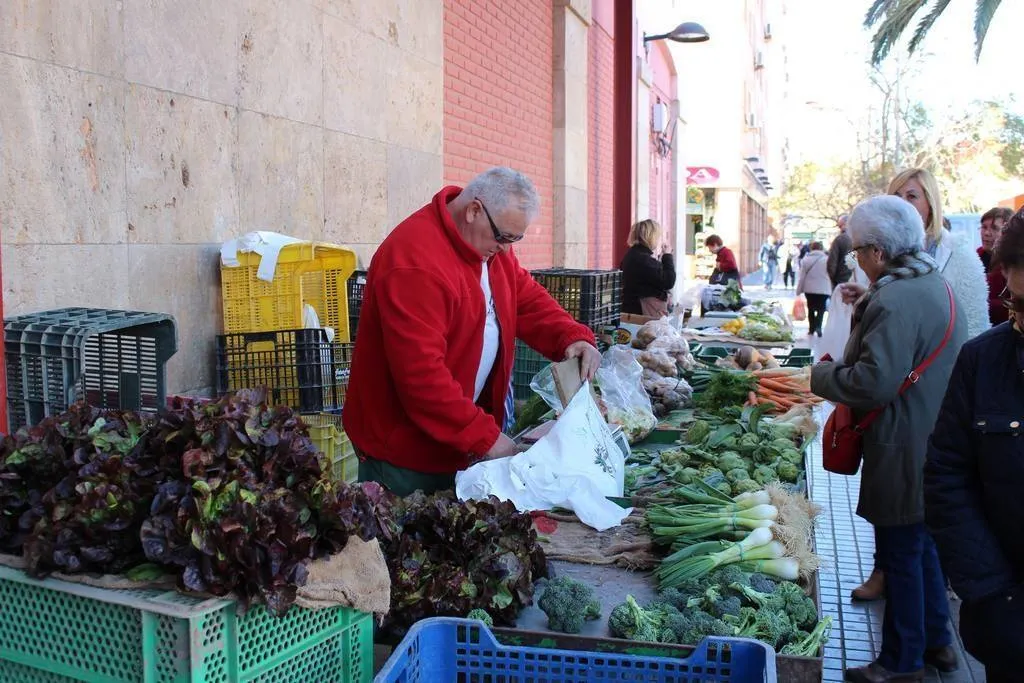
x,y
775,385
777,372
777,398
752,397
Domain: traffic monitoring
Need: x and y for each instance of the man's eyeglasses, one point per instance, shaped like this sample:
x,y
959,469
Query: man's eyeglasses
x,y
499,236
1015,304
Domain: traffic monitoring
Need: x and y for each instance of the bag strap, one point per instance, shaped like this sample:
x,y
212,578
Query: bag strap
x,y
915,374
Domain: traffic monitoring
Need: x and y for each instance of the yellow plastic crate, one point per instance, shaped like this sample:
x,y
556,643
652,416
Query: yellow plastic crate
x,y
311,273
340,460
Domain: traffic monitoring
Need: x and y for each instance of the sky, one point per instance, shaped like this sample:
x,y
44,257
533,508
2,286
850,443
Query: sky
x,y
828,52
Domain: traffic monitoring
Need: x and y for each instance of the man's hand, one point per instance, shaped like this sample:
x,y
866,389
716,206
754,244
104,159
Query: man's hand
x,y
502,448
590,358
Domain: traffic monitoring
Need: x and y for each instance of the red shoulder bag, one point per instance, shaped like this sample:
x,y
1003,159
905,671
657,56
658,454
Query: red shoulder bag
x,y
843,442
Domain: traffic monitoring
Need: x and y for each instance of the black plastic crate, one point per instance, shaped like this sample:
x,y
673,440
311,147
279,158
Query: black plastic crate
x,y
592,297
300,368
108,358
527,364
356,285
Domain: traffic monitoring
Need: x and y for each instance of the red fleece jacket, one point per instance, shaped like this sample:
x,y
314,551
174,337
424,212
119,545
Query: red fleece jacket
x,y
410,393
997,312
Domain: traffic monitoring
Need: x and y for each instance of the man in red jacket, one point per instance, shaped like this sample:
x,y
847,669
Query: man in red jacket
x,y
992,224
445,299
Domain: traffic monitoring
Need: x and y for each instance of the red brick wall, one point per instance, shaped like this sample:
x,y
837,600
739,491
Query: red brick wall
x,y
498,100
601,84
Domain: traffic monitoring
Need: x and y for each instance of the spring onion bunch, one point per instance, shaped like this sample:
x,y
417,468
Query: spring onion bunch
x,y
759,551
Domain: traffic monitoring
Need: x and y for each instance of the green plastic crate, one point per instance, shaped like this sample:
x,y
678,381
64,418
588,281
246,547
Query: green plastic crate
x,y
57,632
527,364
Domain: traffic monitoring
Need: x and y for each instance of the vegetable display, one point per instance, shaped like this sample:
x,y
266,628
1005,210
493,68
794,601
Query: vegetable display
x,y
448,557
227,496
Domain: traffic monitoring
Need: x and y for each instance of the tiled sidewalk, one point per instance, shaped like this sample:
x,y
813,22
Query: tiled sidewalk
x,y
846,544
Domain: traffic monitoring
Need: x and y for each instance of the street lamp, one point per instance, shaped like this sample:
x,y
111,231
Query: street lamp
x,y
686,32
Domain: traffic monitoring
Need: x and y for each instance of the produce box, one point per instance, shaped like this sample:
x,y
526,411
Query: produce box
x,y
326,432
111,359
306,273
448,649
58,632
300,367
592,297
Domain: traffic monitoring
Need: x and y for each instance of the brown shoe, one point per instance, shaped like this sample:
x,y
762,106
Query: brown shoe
x,y
872,589
875,673
942,658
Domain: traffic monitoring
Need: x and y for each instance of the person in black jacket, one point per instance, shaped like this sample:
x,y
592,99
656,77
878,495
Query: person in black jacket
x,y
973,475
647,280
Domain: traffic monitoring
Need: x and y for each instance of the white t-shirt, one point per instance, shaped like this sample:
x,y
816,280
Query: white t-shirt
x,y
491,335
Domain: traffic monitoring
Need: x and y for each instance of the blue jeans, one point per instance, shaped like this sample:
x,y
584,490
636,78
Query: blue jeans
x,y
769,273
916,604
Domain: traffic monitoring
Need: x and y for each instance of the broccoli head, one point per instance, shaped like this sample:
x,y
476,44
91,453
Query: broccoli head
x,y
761,582
698,625
786,598
737,475
747,486
631,621
726,575
764,474
482,615
567,603
787,471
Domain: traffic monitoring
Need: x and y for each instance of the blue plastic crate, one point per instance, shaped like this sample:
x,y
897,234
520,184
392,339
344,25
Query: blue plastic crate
x,y
448,649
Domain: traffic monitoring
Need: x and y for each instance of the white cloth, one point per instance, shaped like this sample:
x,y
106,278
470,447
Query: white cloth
x,y
267,244
574,466
491,335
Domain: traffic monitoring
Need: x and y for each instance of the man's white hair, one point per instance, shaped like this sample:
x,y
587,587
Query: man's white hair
x,y
888,222
502,188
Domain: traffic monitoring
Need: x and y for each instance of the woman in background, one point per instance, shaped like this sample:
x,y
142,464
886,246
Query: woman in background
x,y
647,279
814,283
726,268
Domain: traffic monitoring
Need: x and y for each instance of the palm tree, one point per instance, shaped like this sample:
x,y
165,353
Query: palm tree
x,y
894,16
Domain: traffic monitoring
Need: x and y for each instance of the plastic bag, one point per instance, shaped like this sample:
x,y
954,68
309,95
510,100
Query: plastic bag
x,y
620,379
574,466
836,331
800,309
543,384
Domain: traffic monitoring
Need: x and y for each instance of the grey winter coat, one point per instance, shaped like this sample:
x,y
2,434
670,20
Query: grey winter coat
x,y
894,330
814,275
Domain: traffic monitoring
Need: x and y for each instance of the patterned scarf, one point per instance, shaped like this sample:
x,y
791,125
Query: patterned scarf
x,y
905,267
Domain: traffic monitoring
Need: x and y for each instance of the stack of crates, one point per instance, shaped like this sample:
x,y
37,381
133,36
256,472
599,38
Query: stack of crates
x,y
356,287
266,344
592,297
108,358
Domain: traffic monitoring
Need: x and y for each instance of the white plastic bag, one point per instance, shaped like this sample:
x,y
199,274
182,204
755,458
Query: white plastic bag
x,y
574,466
836,331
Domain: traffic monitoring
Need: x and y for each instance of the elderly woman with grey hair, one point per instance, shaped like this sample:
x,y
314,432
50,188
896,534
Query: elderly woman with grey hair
x,y
900,321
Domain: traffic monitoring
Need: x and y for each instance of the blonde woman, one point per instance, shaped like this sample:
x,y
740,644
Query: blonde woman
x,y
962,269
646,278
